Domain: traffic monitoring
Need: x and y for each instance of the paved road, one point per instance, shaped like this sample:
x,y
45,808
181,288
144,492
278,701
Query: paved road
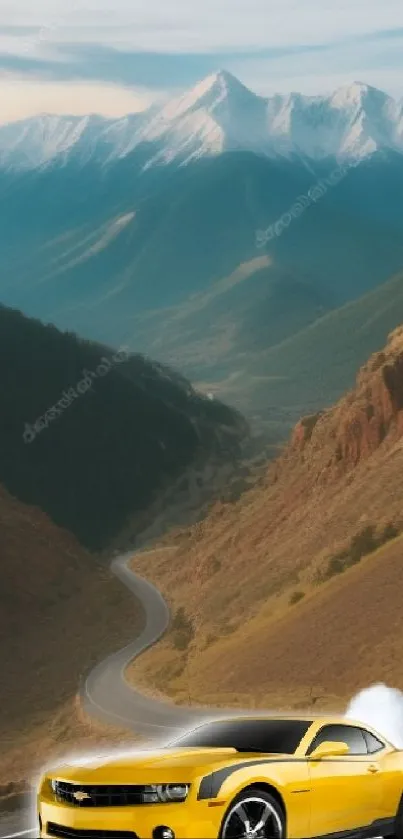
x,y
17,824
107,696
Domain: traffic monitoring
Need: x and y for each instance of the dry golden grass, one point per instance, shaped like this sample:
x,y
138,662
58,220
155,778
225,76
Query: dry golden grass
x,y
61,611
342,637
237,573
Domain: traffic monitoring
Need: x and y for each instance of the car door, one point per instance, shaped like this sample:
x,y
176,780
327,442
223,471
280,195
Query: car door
x,y
346,790
389,763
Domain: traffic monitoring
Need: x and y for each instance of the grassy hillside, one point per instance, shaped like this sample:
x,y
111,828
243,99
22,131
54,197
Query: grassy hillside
x,y
60,611
291,658
346,634
257,354
296,582
213,334
315,366
92,436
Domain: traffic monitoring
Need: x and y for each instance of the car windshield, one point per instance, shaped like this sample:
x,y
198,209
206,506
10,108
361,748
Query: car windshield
x,y
268,736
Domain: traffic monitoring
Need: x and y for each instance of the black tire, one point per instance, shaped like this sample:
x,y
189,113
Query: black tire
x,y
398,834
252,807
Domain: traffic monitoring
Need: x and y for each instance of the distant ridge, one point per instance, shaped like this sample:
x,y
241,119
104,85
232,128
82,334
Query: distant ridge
x,y
218,114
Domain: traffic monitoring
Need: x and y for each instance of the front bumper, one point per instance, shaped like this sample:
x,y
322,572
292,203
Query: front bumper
x,y
188,820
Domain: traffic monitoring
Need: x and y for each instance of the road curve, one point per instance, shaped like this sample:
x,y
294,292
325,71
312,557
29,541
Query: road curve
x,y
105,693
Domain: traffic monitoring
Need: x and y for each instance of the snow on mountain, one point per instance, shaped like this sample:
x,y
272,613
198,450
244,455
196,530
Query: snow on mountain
x,y
219,114
354,121
29,143
369,119
39,140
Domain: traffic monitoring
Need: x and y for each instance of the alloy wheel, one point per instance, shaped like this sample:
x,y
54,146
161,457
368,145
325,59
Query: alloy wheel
x,y
252,818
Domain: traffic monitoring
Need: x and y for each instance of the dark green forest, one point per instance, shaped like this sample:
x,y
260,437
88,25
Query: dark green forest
x,y
90,435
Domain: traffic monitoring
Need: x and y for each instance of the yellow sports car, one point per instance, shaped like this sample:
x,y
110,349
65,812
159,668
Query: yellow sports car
x,y
255,778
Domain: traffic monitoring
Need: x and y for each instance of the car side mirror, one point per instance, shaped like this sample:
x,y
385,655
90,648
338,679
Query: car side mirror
x,y
329,748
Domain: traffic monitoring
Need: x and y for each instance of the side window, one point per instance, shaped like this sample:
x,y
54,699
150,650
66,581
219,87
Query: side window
x,y
373,744
341,733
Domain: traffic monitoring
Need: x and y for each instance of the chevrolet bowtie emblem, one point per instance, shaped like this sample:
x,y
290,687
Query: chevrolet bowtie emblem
x,y
80,795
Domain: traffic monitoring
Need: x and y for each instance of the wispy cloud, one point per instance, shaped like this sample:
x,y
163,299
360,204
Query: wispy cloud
x,y
271,44
375,58
213,25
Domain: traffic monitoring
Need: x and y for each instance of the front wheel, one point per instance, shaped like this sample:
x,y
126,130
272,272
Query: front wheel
x,y
253,814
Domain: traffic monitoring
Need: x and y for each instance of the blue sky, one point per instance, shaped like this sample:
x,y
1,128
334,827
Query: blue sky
x,y
114,56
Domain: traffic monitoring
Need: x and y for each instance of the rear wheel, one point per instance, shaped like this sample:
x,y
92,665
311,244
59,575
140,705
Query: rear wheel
x,y
253,814
398,834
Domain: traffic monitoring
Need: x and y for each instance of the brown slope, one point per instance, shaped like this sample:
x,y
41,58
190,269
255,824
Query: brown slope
x,y
59,612
334,495
338,640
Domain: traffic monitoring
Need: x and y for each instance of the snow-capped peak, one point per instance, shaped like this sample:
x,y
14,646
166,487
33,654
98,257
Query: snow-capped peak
x,y
350,94
207,91
218,114
356,95
213,89
207,95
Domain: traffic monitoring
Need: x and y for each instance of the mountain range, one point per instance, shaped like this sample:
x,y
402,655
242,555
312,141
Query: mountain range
x,y
166,262
219,114
108,234
142,232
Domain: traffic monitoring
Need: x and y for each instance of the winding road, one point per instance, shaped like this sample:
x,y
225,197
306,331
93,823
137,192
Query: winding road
x,y
107,696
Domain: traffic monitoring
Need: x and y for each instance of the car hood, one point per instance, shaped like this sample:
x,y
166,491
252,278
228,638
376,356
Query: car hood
x,y
148,766
141,766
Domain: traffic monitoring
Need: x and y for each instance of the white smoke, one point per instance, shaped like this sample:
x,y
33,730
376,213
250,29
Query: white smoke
x,y
381,708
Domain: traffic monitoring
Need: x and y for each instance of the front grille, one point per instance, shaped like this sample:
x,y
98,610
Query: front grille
x,y
99,795
72,833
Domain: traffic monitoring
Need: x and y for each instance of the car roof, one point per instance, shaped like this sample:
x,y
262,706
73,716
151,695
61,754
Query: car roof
x,y
268,717
316,720
321,719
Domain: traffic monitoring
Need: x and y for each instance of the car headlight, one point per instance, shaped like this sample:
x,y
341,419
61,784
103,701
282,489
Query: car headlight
x,y
163,793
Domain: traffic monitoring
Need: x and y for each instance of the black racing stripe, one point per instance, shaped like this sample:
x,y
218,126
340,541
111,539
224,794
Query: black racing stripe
x,y
211,784
206,788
